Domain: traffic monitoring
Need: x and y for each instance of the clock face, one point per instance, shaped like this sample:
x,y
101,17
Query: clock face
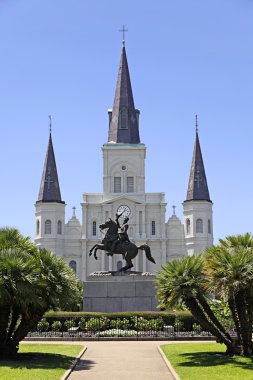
x,y
124,210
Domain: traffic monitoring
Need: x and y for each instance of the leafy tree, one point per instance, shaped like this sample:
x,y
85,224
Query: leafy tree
x,y
225,270
32,281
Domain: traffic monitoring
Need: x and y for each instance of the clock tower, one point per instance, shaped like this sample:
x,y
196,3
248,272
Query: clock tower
x,y
124,154
124,185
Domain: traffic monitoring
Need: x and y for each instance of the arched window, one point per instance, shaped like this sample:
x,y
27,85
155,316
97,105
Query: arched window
x,y
48,227
153,227
72,265
94,228
123,118
209,226
199,226
38,227
188,226
59,227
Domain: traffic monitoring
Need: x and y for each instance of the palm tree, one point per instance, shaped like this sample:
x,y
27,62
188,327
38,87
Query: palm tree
x,y
32,281
183,281
225,270
229,273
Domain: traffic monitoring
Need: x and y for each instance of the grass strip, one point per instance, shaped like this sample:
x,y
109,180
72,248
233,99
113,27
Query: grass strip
x,y
40,362
207,361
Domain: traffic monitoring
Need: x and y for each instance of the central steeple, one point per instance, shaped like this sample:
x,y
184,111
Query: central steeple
x,y
123,119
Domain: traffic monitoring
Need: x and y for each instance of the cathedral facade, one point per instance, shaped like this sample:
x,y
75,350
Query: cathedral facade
x,y
123,192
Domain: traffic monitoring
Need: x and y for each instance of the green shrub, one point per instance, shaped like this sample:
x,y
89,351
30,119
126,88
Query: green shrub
x,y
179,325
197,328
119,323
43,325
82,324
145,324
223,313
69,323
56,326
97,323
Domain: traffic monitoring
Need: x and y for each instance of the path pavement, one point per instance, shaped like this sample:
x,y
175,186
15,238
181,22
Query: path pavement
x,y
119,360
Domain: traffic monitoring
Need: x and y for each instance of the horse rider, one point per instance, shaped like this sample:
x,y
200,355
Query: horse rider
x,y
123,235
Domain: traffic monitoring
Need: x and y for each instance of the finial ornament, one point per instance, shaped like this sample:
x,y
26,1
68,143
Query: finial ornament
x,y
50,124
74,211
196,123
174,209
123,30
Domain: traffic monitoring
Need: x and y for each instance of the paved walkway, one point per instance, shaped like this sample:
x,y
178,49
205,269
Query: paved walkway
x,y
121,360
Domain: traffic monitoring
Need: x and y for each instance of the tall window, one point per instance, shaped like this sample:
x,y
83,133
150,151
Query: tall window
x,y
106,215
94,228
153,227
59,227
38,227
209,226
130,184
123,118
199,226
188,226
117,184
72,265
48,227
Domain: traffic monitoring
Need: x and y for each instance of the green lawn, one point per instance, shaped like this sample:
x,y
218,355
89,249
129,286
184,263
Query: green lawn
x,y
39,362
206,361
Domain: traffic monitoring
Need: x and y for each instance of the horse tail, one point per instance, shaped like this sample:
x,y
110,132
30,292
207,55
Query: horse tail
x,y
146,248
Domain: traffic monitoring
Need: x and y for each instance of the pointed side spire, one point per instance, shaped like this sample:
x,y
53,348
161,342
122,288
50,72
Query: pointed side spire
x,y
197,187
49,187
123,126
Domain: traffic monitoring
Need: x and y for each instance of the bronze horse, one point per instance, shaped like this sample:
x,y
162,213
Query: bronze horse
x,y
127,249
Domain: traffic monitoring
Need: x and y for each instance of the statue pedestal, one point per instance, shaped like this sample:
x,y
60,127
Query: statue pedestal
x,y
120,291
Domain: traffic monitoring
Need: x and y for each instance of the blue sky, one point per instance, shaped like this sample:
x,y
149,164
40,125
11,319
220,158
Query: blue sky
x,y
185,57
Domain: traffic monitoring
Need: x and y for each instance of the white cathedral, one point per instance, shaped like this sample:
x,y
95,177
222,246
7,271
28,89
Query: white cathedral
x,y
123,191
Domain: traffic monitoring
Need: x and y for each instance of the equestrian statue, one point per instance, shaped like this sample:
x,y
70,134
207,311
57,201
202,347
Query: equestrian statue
x,y
116,241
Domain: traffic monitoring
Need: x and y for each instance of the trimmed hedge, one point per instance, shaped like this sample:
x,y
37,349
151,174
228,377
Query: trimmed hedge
x,y
168,317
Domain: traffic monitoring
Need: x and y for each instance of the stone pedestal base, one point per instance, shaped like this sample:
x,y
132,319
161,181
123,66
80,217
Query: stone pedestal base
x,y
117,291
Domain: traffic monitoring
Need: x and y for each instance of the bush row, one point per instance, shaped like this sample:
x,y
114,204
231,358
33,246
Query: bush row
x,y
182,320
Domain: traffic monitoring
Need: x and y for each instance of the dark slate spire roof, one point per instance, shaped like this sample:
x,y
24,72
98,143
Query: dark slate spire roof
x,y
197,187
49,186
124,101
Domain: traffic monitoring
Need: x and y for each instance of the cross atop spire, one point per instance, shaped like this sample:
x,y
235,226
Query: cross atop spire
x,y
196,123
50,124
123,30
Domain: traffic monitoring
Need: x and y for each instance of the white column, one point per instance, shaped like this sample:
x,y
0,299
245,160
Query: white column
x,y
110,263
84,261
144,261
103,261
